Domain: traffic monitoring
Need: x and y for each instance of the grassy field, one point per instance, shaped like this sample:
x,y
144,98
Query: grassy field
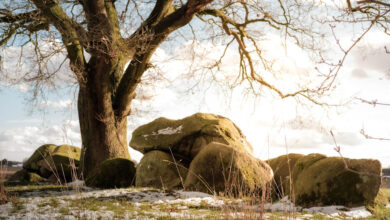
x,y
67,202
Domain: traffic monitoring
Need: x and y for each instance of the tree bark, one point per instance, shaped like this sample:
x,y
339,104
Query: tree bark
x,y
104,135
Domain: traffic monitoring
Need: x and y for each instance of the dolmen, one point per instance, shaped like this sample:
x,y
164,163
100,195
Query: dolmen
x,y
202,152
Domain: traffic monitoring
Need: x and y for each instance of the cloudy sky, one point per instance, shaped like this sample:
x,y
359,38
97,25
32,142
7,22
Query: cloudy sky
x,y
272,125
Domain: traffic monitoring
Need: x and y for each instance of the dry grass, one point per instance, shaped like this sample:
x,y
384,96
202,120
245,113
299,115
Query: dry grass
x,y
7,172
3,192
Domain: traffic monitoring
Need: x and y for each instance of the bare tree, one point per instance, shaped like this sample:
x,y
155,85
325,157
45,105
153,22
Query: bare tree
x,y
115,33
371,10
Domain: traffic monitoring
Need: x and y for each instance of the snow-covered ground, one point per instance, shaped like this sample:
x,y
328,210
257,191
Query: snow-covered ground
x,y
286,205
145,203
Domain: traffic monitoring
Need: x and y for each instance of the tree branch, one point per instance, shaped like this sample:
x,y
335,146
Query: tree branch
x,y
31,21
22,17
160,10
239,34
157,34
372,1
69,32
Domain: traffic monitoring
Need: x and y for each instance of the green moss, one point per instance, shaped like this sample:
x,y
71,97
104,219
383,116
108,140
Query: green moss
x,y
113,173
65,167
49,159
39,154
305,162
221,168
326,181
213,128
24,177
282,167
158,169
31,188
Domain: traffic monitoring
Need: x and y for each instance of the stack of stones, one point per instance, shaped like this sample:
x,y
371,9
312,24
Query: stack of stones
x,y
203,152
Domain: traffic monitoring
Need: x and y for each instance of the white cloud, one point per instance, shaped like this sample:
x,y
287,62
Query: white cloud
x,y
60,104
20,142
359,73
371,55
20,63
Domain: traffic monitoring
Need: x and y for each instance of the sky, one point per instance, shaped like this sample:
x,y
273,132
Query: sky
x,y
272,125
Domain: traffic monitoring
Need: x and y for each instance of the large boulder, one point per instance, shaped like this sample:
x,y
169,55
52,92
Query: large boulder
x,y
161,170
39,154
305,162
282,167
113,173
224,168
186,137
321,180
25,177
52,160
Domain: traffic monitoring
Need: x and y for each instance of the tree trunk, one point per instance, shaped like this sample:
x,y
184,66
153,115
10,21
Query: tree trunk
x,y
104,136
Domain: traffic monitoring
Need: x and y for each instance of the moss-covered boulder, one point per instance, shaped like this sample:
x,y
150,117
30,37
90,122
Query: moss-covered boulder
x,y
223,168
39,154
186,137
305,162
161,170
113,173
320,180
25,177
282,167
50,159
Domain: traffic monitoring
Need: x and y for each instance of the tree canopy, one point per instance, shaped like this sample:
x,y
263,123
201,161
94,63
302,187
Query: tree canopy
x,y
109,45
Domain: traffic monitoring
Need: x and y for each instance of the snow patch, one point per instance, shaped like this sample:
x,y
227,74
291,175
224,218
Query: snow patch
x,y
285,205
166,131
246,145
36,204
357,212
76,183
